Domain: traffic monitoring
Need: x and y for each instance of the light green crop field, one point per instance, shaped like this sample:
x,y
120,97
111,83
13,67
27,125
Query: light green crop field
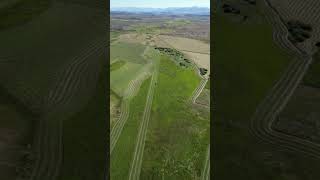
x,y
114,36
129,52
120,79
176,137
117,65
123,153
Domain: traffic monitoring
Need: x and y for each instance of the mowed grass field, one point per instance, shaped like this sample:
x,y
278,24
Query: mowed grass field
x,y
33,52
176,138
120,79
247,64
122,155
131,52
84,138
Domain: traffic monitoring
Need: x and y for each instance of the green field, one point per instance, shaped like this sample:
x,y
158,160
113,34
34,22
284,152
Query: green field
x,y
176,138
123,153
85,140
129,52
34,58
247,64
120,79
114,36
117,65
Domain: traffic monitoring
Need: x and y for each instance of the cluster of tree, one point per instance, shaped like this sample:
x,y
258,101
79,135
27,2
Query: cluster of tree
x,y
227,8
203,71
170,51
176,54
299,32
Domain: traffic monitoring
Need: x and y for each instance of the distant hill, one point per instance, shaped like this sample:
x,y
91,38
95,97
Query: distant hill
x,y
171,10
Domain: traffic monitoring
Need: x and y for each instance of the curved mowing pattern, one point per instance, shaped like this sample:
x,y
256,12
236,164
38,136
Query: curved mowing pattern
x,y
135,168
198,90
306,11
129,94
72,78
275,101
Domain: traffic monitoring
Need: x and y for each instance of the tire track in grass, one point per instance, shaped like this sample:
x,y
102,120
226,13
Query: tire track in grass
x,y
136,163
206,170
275,101
198,90
132,90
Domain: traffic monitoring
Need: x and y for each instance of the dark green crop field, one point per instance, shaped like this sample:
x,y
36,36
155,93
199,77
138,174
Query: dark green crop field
x,y
85,138
122,155
247,63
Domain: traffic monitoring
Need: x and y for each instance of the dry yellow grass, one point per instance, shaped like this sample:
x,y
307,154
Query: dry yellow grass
x,y
186,44
201,60
133,38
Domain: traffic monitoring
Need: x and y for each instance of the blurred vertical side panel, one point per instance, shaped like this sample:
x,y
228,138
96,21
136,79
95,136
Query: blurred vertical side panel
x,y
54,89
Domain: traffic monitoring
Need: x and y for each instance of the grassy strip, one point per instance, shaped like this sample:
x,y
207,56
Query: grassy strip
x,y
247,64
84,139
177,139
21,12
127,51
117,65
122,154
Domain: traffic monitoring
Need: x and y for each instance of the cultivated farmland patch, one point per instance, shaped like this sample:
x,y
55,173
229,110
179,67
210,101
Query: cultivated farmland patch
x,y
186,44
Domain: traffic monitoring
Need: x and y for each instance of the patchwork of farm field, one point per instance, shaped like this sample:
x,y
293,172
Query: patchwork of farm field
x,y
153,123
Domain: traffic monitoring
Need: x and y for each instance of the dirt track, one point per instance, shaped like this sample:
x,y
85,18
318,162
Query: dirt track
x,y
136,163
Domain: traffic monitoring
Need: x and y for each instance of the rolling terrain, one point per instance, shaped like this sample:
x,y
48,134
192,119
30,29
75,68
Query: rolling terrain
x,y
169,77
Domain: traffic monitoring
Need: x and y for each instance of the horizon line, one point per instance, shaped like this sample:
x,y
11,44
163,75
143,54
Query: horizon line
x,y
161,7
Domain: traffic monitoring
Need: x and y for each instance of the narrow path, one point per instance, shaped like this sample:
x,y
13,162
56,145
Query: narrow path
x,y
133,88
198,90
136,163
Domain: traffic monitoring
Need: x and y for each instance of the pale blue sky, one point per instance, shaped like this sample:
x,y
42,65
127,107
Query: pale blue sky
x,y
159,3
